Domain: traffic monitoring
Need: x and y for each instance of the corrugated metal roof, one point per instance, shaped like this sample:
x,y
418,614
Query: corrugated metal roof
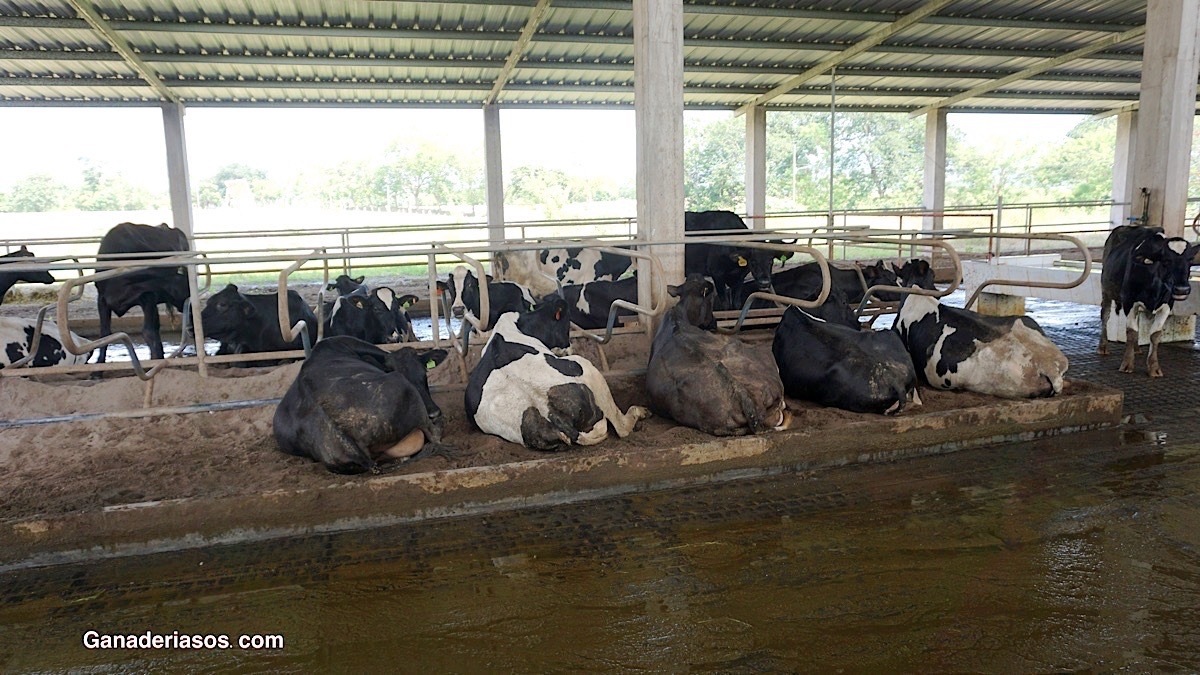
x,y
299,52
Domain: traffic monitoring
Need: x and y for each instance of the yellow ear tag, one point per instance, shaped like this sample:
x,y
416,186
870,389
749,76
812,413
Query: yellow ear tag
x,y
742,261
430,364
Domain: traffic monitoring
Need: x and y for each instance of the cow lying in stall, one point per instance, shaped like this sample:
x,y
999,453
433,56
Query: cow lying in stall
x,y
523,393
589,304
839,365
709,381
1145,273
503,296
375,315
956,348
8,279
248,323
538,270
16,341
146,288
354,406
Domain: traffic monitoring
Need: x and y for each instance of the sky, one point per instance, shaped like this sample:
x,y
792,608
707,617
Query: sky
x,y
284,141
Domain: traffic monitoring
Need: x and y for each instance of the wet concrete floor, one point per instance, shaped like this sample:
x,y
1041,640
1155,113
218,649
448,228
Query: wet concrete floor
x,y
1078,552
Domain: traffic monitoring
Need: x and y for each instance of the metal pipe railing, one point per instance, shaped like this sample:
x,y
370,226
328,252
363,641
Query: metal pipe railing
x,y
287,330
1083,249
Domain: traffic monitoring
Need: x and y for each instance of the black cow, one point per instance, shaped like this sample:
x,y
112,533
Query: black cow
x,y
709,381
146,289
589,304
363,316
842,366
1144,274
915,273
344,284
353,405
8,279
725,264
397,308
1006,356
524,393
503,296
804,281
249,323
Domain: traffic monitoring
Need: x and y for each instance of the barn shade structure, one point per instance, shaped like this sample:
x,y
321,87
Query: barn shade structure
x,y
923,57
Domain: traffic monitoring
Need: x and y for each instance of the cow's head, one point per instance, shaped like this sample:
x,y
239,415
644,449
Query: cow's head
x,y
757,261
226,311
548,322
393,313
1167,261
38,277
414,366
916,273
697,295
364,316
345,284
881,275
463,289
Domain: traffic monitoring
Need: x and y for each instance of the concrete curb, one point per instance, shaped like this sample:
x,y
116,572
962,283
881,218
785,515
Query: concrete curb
x,y
359,503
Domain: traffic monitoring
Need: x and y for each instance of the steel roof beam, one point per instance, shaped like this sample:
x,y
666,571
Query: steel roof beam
x,y
88,13
531,25
1035,70
872,39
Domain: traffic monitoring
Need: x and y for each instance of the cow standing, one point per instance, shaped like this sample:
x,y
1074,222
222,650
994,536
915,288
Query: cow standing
x,y
524,393
544,270
247,323
842,366
147,288
1006,356
8,279
353,405
708,381
1144,274
727,265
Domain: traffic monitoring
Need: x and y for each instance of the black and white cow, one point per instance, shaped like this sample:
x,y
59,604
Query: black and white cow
x,y
915,273
842,366
397,306
344,284
525,394
725,264
8,279
146,289
709,381
503,296
1144,274
16,340
248,323
538,270
363,316
1006,356
354,405
589,304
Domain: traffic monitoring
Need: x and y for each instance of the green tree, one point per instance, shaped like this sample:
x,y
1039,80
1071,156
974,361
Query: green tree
x,y
38,192
1081,168
549,188
880,159
214,190
714,165
101,190
990,171
412,177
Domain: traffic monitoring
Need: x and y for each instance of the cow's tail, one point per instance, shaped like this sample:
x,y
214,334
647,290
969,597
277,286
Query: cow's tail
x,y
750,410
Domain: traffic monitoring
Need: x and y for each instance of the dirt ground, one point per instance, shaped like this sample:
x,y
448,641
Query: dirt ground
x,y
86,465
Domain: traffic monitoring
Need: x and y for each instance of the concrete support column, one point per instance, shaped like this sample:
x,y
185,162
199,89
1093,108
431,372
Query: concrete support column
x,y
658,115
1123,189
493,174
756,166
935,167
1167,109
181,209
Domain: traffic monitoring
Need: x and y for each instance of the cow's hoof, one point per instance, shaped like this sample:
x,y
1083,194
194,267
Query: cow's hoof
x,y
1102,350
1125,368
1156,372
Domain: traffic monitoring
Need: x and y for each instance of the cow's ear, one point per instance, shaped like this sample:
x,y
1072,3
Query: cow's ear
x,y
407,301
489,278
231,287
441,286
673,291
23,249
359,279
896,268
433,357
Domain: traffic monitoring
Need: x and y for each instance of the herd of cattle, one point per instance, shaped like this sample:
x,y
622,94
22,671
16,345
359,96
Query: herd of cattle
x,y
354,405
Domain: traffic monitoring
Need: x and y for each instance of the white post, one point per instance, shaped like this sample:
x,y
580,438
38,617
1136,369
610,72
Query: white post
x,y
658,115
756,166
494,173
1167,109
181,209
935,167
1123,189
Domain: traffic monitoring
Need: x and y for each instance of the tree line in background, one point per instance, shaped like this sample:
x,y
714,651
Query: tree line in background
x,y
879,161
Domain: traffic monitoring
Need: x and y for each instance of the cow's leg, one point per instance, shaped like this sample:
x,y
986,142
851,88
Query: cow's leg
x,y
1131,340
1105,311
105,313
622,422
1152,359
150,326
